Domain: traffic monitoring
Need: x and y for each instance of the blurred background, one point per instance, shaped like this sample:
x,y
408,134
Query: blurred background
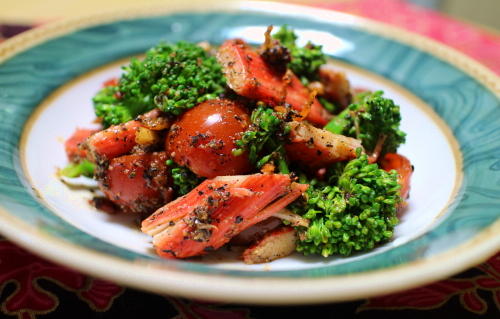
x,y
481,12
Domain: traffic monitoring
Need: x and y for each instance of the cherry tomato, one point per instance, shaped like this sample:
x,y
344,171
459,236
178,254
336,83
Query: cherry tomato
x,y
111,82
114,141
404,168
138,183
202,139
72,144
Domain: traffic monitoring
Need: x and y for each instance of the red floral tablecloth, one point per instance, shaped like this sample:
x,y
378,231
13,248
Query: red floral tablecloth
x,y
31,287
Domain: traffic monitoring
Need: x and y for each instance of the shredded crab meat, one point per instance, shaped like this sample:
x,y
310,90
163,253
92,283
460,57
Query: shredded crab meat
x,y
241,192
217,210
317,148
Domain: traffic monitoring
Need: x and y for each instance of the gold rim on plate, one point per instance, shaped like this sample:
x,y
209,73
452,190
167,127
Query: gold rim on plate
x,y
159,278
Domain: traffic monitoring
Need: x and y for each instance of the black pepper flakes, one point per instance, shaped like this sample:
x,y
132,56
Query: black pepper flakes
x,y
209,249
169,251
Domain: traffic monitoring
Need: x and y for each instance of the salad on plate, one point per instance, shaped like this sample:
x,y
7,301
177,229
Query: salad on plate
x,y
264,147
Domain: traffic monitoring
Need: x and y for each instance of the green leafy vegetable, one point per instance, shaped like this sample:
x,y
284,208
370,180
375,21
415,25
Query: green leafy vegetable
x,y
372,119
184,180
110,109
83,168
266,133
354,210
328,105
172,77
305,61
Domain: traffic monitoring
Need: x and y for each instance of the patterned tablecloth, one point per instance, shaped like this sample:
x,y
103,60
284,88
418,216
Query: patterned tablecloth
x,y
31,287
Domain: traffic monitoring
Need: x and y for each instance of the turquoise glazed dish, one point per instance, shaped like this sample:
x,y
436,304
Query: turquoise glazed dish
x,y
451,111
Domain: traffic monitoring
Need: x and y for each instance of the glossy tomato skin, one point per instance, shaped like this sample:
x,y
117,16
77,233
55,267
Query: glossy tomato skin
x,y
114,141
72,145
202,139
138,183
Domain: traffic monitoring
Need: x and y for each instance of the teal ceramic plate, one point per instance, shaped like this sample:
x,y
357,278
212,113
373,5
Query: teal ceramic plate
x,y
450,109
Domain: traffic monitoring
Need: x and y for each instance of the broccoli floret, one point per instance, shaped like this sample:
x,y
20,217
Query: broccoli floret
x,y
183,179
266,133
83,168
372,119
305,61
111,110
172,77
354,215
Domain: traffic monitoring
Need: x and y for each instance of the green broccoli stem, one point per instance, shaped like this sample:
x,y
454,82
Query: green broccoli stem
x,y
373,119
328,105
83,168
339,123
283,166
265,135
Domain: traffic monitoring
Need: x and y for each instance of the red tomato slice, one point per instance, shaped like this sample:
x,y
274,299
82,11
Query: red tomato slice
x,y
73,148
111,82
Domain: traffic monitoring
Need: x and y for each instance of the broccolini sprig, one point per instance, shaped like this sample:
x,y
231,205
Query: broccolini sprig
x,y
354,210
265,135
372,119
305,61
172,77
183,179
111,110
